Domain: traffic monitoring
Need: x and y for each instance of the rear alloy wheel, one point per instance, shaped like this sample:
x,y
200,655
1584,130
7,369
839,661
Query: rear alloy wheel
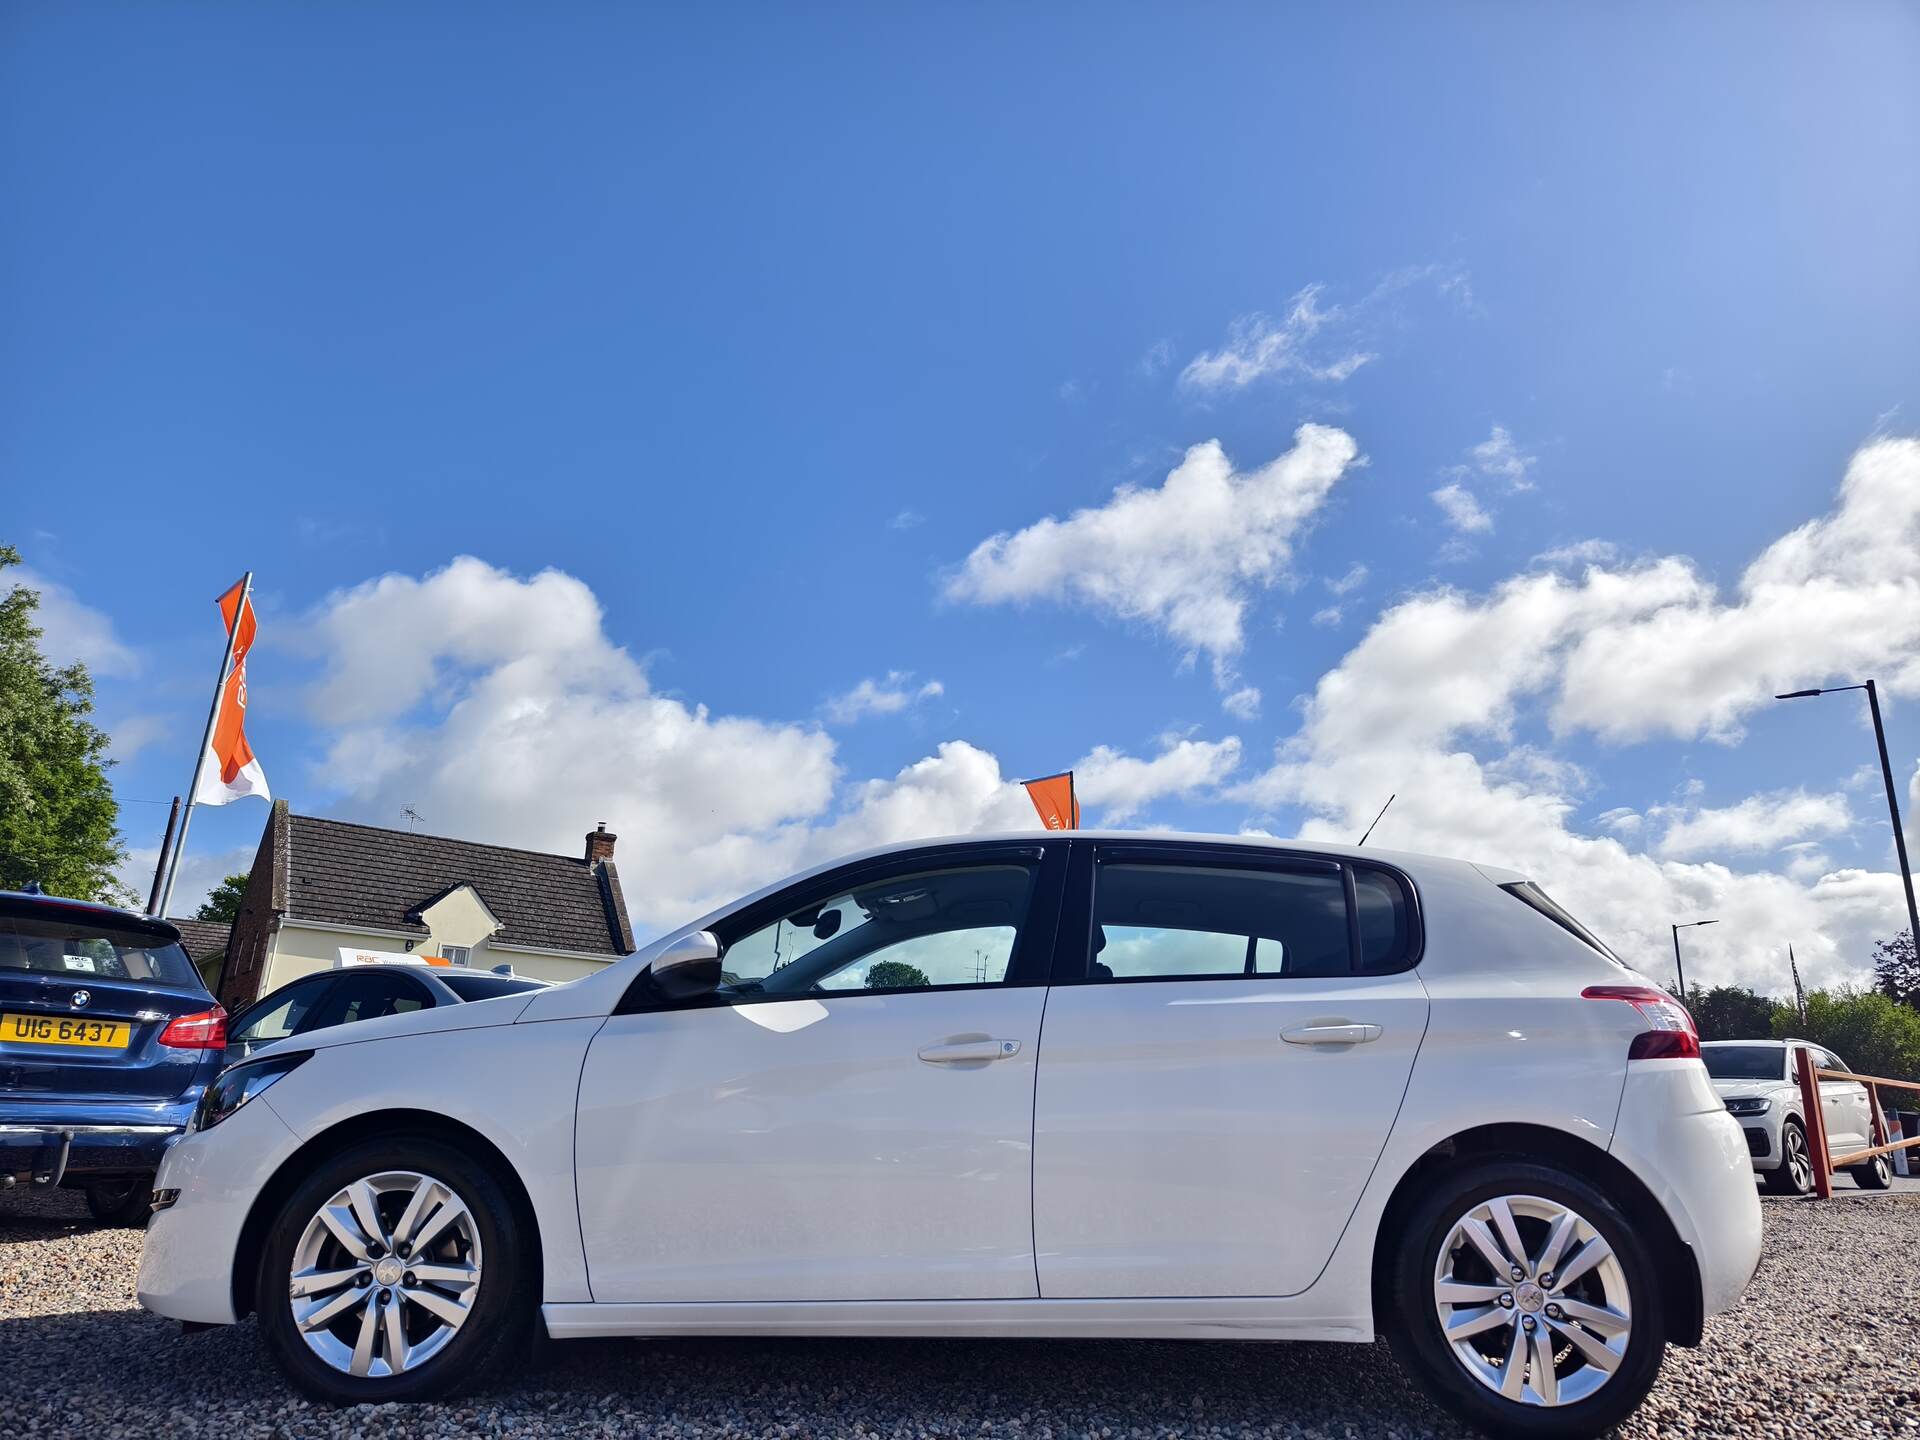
x,y
1876,1174
1526,1303
121,1202
395,1273
1794,1174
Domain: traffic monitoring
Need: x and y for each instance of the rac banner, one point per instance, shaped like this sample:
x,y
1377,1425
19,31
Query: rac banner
x,y
1052,796
231,771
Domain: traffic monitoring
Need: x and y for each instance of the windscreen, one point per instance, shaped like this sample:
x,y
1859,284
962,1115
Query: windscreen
x,y
87,950
1745,1062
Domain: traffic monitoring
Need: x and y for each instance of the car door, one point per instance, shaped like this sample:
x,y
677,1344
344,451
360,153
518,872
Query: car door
x,y
1228,1040
850,1117
1844,1105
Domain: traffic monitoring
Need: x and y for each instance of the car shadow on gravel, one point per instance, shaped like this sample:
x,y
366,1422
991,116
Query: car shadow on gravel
x,y
108,1369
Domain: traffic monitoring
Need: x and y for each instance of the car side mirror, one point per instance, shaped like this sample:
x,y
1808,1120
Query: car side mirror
x,y
688,968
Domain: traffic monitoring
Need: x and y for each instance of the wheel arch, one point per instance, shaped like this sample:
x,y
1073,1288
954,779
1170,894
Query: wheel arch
x,y
1685,1316
296,1167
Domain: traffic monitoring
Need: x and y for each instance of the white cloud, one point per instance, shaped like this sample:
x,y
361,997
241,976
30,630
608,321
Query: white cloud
x,y
1580,553
1316,340
1123,785
501,709
1328,615
1186,558
133,733
1242,704
1622,820
1158,357
1258,346
880,697
1498,458
1757,823
1355,577
71,630
1463,512
906,520
1431,701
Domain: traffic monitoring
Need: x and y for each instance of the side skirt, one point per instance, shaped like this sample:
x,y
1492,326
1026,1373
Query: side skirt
x,y
1170,1319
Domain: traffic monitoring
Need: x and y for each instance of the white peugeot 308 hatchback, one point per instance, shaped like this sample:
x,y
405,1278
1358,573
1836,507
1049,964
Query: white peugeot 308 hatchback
x,y
1065,1085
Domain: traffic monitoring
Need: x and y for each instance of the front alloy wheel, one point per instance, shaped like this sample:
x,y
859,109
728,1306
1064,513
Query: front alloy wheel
x,y
1532,1300
385,1274
399,1269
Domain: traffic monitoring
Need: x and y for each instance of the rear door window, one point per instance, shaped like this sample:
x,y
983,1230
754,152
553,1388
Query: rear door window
x,y
367,994
1181,921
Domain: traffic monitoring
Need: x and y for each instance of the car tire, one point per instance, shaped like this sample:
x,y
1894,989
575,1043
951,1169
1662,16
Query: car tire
x,y
1876,1174
121,1202
1435,1270
470,1320
1794,1174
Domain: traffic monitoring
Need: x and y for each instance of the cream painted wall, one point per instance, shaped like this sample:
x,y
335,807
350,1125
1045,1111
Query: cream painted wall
x,y
459,918
302,949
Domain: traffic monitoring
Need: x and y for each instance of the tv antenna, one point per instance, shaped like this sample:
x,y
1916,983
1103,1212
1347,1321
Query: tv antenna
x,y
414,817
1376,819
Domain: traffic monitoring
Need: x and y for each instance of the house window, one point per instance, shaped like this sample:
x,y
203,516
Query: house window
x,y
456,954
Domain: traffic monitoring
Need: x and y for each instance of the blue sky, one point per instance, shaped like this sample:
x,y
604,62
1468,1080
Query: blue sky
x,y
754,325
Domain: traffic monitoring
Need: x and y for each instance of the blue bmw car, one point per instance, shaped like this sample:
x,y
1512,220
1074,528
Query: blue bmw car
x,y
107,1038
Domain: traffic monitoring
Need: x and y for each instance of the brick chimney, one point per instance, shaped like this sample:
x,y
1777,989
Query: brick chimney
x,y
600,843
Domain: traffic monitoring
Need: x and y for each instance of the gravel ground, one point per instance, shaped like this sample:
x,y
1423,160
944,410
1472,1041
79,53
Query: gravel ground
x,y
1812,1353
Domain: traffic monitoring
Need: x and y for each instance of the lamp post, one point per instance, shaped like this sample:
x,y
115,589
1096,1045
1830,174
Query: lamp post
x,y
1886,774
1679,973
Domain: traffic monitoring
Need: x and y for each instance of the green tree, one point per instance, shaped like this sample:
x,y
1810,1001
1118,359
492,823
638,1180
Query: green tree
x,y
59,823
1896,971
1873,1034
895,975
223,901
1730,1012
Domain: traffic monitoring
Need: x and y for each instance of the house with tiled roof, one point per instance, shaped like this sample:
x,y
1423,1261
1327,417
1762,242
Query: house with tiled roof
x,y
323,893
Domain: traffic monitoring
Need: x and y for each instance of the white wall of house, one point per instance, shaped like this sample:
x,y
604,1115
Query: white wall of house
x,y
301,949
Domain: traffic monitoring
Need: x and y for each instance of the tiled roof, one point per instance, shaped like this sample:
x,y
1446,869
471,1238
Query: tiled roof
x,y
346,874
202,938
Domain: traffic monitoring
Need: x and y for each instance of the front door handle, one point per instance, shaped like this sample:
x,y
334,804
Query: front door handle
x,y
1331,1032
970,1052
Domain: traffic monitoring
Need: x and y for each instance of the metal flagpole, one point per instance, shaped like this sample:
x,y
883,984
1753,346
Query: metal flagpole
x,y
206,743
160,865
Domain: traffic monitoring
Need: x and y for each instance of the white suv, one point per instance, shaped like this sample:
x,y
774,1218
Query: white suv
x,y
1035,1085
1759,1081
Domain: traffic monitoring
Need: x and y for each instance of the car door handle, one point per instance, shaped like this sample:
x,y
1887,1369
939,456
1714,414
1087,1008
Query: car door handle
x,y
1340,1032
970,1052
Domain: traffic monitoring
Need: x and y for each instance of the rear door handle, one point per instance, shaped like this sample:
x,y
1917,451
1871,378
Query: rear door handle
x,y
1337,1032
970,1052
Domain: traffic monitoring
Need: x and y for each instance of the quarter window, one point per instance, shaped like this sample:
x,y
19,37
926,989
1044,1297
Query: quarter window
x,y
1380,902
937,928
1189,921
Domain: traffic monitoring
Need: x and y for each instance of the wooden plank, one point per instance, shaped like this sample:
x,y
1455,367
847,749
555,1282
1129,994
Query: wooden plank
x,y
1858,1156
1814,1115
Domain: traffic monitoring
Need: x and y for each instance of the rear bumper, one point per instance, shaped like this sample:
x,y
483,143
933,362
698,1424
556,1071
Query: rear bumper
x,y
1676,1135
102,1139
75,1152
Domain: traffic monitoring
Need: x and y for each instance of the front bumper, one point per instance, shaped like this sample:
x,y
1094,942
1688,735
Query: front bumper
x,y
192,1245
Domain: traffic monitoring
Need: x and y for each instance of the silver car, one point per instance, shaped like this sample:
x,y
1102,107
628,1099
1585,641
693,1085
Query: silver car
x,y
1759,1082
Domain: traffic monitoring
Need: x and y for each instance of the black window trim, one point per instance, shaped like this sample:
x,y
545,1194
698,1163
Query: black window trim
x,y
1073,950
1029,965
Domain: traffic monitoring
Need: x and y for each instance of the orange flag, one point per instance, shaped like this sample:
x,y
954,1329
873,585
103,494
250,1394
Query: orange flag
x,y
1052,796
231,770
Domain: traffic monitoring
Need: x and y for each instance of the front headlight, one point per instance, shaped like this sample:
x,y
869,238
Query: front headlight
x,y
238,1084
1749,1105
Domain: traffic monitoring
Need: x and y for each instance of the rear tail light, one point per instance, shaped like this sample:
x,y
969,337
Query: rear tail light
x,y
206,1030
1670,1033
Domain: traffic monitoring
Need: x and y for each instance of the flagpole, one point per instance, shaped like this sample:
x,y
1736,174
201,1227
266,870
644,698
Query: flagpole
x,y
206,743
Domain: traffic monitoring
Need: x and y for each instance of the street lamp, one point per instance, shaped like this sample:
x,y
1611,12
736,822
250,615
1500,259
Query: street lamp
x,y
1679,973
1886,774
